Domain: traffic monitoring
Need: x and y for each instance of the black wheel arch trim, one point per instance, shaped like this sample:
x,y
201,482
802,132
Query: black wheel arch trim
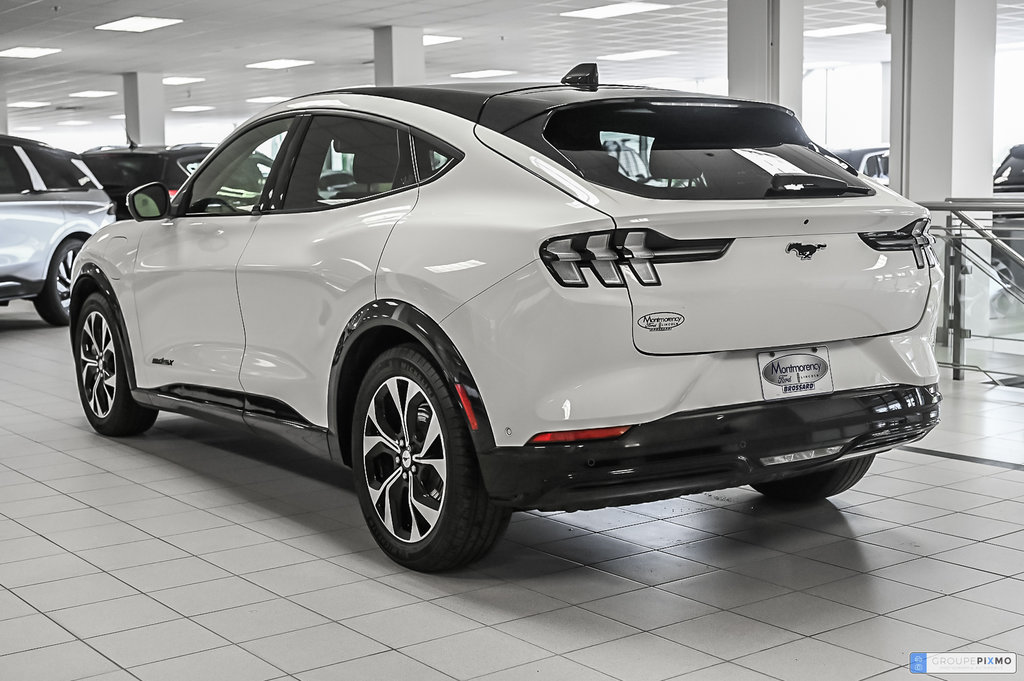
x,y
91,273
381,315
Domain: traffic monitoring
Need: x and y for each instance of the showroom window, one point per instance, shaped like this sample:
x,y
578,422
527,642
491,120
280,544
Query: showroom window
x,y
14,178
343,160
234,180
58,170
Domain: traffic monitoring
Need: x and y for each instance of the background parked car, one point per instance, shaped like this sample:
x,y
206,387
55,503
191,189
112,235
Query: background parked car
x,y
50,203
122,169
871,161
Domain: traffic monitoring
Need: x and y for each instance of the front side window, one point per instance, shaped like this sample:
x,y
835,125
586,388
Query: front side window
x,y
669,149
234,180
59,170
343,159
14,179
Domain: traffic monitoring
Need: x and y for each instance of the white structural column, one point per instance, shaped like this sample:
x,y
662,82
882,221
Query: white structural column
x,y
943,73
398,56
144,107
4,129
766,51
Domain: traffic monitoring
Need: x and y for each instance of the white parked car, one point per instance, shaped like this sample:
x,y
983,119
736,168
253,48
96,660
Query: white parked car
x,y
460,293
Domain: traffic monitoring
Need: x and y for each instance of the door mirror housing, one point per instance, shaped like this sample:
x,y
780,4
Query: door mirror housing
x,y
149,202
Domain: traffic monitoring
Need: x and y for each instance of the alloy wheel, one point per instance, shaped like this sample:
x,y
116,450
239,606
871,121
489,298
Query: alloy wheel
x,y
64,279
98,364
404,459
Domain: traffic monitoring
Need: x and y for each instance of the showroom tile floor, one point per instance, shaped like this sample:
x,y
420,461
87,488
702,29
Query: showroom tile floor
x,y
196,552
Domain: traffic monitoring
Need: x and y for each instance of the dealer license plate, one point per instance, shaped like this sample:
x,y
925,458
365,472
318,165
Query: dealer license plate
x,y
795,373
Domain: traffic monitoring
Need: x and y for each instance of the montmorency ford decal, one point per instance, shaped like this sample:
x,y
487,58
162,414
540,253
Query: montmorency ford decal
x,y
661,321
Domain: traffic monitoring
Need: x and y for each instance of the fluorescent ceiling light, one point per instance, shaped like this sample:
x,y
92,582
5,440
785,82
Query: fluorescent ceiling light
x,y
75,123
28,128
486,73
851,29
29,52
27,105
192,108
439,39
618,9
279,64
117,117
640,54
137,24
182,80
93,94
267,100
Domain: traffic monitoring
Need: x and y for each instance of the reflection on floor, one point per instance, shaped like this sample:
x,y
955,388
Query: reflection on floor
x,y
197,553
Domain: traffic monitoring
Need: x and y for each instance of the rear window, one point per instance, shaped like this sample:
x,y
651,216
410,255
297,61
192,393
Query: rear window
x,y
59,170
126,171
1010,171
672,149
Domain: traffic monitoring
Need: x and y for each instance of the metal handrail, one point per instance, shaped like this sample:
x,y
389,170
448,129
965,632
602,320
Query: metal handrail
x,y
959,251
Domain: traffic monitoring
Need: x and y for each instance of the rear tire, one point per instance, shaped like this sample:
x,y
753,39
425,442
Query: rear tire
x,y
54,301
415,468
817,486
102,380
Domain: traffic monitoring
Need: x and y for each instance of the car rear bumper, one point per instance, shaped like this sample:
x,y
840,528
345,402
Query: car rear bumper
x,y
710,449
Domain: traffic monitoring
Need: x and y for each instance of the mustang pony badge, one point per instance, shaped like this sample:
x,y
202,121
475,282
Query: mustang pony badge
x,y
804,251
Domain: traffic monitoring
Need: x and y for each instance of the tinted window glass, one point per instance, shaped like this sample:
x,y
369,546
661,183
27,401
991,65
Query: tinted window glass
x,y
347,159
58,169
188,164
14,178
125,171
431,157
1010,172
234,180
673,150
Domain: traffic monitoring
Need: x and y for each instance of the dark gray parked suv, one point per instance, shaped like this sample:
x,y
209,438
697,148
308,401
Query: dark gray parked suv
x,y
50,203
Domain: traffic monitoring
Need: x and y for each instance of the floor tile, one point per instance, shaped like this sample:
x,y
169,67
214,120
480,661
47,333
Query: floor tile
x,y
658,534
936,575
961,618
501,603
475,653
890,639
64,662
258,557
915,540
258,620
214,539
68,593
642,657
811,660
648,608
874,594
726,671
354,599
410,624
857,555
727,635
106,617
803,613
144,552
988,557
303,577
548,669
723,552
1007,594
654,567
389,666
46,569
170,573
156,642
30,632
580,585
973,527
229,663
318,646
567,629
592,548
724,589
793,572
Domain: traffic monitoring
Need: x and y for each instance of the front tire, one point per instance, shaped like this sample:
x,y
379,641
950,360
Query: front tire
x,y
102,380
819,485
415,469
54,301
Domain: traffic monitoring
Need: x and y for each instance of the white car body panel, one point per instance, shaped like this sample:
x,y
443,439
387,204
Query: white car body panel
x,y
187,302
301,279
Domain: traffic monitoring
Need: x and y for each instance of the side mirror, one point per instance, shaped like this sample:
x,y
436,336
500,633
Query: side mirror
x,y
149,202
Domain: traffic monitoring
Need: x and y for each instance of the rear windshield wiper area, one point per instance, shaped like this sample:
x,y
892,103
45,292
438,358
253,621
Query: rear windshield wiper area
x,y
800,184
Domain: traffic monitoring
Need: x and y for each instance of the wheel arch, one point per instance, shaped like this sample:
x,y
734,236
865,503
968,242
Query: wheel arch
x,y
377,327
91,279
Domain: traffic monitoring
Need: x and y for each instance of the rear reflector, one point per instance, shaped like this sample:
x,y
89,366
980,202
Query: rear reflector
x,y
172,192
562,436
467,407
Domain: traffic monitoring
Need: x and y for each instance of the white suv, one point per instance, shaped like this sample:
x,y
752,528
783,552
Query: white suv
x,y
492,297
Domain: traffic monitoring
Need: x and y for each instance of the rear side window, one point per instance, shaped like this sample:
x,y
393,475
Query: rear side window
x,y
59,170
14,179
348,159
665,149
433,157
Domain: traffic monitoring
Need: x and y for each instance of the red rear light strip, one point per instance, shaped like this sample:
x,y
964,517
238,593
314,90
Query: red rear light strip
x,y
563,436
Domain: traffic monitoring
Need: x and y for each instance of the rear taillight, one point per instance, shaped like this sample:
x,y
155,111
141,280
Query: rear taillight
x,y
172,192
607,255
914,237
568,436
